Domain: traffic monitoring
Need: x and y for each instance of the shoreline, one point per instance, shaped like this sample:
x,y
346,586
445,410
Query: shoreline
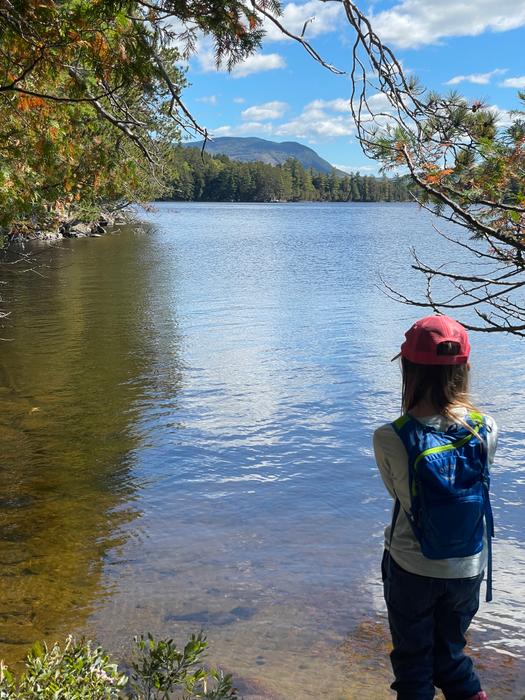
x,y
65,228
283,201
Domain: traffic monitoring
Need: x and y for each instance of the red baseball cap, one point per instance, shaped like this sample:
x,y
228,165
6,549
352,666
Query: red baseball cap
x,y
426,335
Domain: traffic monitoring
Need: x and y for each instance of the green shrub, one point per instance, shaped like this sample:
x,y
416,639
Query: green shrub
x,y
161,670
76,671
79,671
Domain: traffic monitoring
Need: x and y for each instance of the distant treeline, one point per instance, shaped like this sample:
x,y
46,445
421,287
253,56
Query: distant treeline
x,y
216,178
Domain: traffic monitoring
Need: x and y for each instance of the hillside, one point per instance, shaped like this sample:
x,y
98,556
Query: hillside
x,y
217,178
252,149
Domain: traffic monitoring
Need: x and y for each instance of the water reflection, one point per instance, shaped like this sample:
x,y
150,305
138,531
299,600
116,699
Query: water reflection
x,y
72,382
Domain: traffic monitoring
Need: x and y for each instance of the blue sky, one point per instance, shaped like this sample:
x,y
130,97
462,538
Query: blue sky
x,y
282,94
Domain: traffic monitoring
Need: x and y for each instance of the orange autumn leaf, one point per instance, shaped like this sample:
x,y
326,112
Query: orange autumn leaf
x,y
28,102
437,176
100,46
399,151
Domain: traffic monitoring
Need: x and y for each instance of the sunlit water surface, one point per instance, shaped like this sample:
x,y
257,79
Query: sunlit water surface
x,y
187,409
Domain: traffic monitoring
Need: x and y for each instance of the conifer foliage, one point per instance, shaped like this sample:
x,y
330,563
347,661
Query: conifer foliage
x,y
201,177
469,167
90,95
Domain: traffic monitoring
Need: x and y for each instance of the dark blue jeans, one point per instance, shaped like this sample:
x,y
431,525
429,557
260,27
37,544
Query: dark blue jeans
x,y
428,619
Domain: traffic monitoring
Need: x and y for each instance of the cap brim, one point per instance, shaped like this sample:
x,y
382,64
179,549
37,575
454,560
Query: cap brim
x,y
395,357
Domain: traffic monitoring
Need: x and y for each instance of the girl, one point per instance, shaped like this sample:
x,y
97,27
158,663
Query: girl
x,y
431,601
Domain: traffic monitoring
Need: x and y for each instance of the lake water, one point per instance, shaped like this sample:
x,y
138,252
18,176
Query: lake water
x,y
186,419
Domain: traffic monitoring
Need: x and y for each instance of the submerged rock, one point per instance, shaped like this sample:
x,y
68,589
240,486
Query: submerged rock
x,y
208,618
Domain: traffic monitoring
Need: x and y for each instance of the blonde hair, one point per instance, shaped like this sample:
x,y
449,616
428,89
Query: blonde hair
x,y
445,386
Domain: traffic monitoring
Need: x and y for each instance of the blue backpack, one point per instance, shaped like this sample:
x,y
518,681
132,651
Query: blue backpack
x,y
449,488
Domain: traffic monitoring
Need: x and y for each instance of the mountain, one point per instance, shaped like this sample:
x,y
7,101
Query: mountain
x,y
250,149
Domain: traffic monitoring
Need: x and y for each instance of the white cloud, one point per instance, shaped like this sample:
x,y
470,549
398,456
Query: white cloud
x,y
239,100
268,110
518,82
337,105
320,120
476,78
208,99
317,122
326,18
504,117
257,63
377,112
357,168
414,23
205,55
246,129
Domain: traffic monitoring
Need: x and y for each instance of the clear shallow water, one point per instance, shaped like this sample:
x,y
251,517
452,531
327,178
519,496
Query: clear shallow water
x,y
187,411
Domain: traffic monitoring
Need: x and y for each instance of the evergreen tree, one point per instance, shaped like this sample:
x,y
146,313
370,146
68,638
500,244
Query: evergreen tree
x,y
203,177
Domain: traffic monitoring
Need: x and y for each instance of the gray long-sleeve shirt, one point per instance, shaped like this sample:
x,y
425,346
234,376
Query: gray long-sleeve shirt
x,y
392,460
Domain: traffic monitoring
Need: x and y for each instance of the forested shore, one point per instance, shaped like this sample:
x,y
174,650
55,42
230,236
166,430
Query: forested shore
x,y
202,177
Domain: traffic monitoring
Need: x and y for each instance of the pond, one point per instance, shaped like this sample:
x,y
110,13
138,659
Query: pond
x,y
186,417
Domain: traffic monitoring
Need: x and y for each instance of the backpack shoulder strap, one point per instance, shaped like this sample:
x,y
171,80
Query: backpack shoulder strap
x,y
410,431
401,422
404,427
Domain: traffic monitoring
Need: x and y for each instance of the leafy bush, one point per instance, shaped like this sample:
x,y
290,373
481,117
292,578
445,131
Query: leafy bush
x,y
161,669
79,671
75,672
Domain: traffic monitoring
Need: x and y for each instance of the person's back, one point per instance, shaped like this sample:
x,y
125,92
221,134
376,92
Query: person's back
x,y
431,601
